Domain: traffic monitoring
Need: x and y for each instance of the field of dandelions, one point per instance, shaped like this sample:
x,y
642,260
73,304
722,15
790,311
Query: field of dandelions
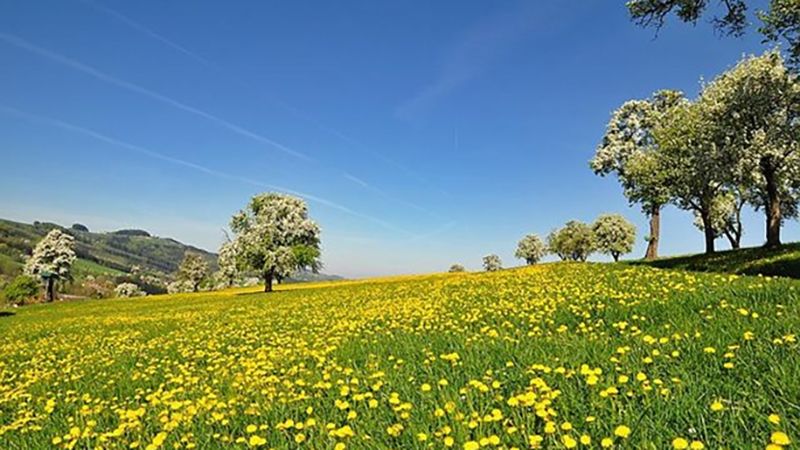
x,y
551,356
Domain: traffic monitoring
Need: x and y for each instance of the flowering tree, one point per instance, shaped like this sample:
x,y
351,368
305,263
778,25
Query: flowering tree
x,y
492,263
627,150
193,270
755,109
613,235
228,269
457,268
531,248
275,237
127,290
52,260
692,158
575,241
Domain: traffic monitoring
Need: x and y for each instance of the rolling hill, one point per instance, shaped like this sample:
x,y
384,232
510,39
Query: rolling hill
x,y
112,253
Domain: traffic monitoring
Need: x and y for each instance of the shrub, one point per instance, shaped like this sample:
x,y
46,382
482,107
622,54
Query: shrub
x,y
21,290
457,268
127,290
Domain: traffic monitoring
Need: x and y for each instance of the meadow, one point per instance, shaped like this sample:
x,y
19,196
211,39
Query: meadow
x,y
565,355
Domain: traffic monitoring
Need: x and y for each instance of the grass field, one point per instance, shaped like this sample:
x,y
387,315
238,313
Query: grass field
x,y
783,261
554,356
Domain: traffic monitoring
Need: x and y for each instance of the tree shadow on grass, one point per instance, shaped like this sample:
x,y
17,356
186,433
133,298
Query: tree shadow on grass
x,y
247,294
6,313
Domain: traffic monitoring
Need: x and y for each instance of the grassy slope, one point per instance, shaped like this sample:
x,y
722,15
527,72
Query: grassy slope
x,y
784,261
202,368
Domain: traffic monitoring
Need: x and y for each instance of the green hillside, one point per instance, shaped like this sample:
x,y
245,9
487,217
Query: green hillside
x,y
110,253
783,261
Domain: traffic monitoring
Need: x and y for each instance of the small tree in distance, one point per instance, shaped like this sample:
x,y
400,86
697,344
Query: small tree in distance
x,y
614,235
228,269
575,241
457,268
193,270
531,248
492,263
52,260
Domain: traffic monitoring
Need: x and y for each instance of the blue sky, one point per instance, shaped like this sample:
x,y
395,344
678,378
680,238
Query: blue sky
x,y
421,133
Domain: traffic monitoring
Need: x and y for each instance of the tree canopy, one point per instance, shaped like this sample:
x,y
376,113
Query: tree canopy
x,y
779,22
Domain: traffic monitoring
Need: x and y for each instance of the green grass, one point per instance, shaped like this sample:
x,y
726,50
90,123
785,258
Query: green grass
x,y
84,267
413,362
783,261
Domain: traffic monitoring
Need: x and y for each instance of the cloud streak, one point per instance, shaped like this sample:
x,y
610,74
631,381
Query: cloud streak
x,y
482,45
147,31
279,103
102,76
191,165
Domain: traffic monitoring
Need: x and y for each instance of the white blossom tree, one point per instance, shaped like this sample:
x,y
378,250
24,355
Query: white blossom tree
x,y
755,107
575,241
614,235
492,263
193,270
227,261
275,237
52,260
627,149
531,248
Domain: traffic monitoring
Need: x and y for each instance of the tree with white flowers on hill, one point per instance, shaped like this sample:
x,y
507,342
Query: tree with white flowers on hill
x,y
531,248
613,235
275,237
52,260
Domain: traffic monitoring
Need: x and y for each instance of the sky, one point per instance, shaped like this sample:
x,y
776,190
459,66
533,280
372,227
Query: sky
x,y
421,133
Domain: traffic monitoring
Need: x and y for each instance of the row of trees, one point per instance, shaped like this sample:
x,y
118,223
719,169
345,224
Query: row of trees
x,y
610,234
736,144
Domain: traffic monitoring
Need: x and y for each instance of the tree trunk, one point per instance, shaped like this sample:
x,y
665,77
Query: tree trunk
x,y
615,255
51,290
773,206
268,277
708,230
655,231
733,239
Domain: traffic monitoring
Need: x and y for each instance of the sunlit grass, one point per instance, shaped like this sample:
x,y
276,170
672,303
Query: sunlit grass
x,y
554,356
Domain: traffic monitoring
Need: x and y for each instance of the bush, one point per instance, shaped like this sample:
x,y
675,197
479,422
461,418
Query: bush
x,y
177,287
21,290
457,268
127,290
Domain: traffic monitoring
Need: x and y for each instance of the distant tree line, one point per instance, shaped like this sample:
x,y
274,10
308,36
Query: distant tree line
x,y
610,234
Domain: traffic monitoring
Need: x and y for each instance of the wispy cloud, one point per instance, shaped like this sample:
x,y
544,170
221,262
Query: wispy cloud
x,y
194,166
293,110
146,31
102,76
471,57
